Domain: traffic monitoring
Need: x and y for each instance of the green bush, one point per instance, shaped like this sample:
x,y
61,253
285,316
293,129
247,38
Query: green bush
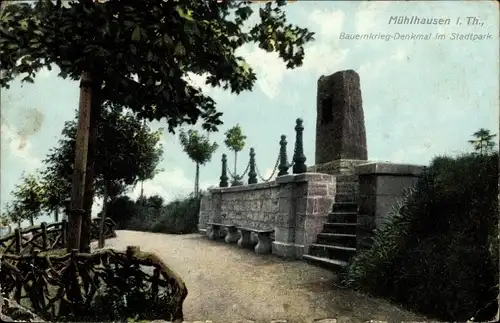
x,y
179,217
121,210
439,253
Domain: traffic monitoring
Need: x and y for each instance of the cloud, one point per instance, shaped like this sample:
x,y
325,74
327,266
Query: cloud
x,y
400,54
19,146
216,93
325,54
198,81
367,14
374,68
169,184
324,58
269,67
329,22
43,73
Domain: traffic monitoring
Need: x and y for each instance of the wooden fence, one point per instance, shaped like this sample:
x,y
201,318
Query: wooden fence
x,y
48,236
96,286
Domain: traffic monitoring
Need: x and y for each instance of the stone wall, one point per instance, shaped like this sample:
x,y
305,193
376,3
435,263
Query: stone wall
x,y
253,206
381,186
295,206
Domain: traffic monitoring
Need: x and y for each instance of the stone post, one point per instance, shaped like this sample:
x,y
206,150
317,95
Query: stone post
x,y
223,177
252,175
283,166
299,158
205,211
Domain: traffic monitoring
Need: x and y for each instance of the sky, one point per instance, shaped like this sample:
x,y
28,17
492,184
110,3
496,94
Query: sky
x,y
421,98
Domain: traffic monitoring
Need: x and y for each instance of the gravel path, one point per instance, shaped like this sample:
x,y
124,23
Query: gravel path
x,y
226,283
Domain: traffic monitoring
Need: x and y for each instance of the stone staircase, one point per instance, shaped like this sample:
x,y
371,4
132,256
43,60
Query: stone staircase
x,y
336,244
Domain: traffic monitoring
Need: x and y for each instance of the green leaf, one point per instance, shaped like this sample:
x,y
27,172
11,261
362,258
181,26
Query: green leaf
x,y
28,79
136,34
186,14
168,40
180,50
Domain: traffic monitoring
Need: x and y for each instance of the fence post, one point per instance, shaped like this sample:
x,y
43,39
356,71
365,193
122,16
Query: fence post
x,y
299,159
252,175
19,240
283,166
223,177
64,232
45,242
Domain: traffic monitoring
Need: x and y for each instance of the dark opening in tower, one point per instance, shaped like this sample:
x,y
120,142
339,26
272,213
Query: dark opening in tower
x,y
326,110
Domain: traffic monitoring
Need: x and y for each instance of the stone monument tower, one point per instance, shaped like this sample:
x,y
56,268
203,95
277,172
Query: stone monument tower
x,y
340,124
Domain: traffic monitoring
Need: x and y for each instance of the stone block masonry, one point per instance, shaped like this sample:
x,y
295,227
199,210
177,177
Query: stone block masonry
x,y
340,125
294,206
381,186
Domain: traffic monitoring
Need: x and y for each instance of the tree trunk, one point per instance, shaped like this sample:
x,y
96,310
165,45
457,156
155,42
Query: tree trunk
x,y
103,217
80,164
88,200
56,214
32,220
235,159
197,181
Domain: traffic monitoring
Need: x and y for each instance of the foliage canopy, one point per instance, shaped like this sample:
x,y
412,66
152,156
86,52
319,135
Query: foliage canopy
x,y
483,142
235,139
157,42
28,199
197,146
127,151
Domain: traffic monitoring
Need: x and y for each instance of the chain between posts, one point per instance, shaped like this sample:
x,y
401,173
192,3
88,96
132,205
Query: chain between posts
x,y
272,174
238,176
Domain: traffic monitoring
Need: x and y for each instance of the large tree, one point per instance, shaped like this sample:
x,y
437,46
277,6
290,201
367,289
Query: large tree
x,y
55,192
12,212
137,53
28,199
235,141
483,142
126,151
199,149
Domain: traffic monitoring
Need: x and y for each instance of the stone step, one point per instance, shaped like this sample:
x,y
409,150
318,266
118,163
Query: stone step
x,y
338,227
345,206
346,178
346,187
343,217
339,239
346,198
332,251
326,263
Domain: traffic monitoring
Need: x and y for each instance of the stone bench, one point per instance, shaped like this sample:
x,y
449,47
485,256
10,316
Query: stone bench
x,y
264,244
214,229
